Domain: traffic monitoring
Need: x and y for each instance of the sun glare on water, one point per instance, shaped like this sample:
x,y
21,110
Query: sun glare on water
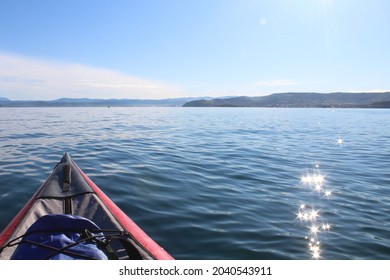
x,y
309,215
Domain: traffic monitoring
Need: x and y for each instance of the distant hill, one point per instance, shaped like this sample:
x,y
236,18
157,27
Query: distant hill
x,y
301,99
88,102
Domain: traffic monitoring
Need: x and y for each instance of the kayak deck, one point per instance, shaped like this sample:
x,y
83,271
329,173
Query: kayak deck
x,y
69,191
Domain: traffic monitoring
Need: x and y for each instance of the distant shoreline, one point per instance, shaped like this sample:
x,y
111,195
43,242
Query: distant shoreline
x,y
276,100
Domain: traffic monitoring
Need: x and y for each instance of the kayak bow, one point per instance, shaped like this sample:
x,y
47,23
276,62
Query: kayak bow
x,y
69,191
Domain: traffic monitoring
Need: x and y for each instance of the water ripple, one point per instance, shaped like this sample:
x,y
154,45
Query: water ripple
x,y
217,183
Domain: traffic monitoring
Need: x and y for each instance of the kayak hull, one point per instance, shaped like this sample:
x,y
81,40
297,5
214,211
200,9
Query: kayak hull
x,y
68,190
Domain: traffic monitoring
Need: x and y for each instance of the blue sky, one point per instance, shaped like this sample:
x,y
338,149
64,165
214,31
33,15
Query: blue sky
x,y
174,48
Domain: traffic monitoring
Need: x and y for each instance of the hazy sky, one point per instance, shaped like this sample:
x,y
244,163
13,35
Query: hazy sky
x,y
178,48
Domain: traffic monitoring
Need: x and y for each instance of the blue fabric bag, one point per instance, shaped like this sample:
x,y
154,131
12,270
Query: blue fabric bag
x,y
45,238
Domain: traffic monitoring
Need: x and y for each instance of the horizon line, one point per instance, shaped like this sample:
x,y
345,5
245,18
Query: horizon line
x,y
200,97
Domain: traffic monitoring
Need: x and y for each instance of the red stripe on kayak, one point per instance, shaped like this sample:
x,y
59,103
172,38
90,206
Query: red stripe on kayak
x,y
156,250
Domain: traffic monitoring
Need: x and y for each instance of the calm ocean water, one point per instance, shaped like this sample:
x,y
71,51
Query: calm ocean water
x,y
219,183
